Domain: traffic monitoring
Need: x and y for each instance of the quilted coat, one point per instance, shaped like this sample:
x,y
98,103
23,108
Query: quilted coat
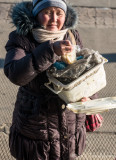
x,y
42,127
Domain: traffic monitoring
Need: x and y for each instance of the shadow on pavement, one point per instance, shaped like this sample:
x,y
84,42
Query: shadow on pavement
x,y
110,57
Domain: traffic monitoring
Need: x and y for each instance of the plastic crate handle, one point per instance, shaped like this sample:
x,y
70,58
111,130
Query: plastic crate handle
x,y
48,86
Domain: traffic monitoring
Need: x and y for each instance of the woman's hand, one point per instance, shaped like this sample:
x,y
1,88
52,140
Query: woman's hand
x,y
62,47
84,99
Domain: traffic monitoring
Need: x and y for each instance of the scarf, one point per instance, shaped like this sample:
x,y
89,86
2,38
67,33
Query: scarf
x,y
42,35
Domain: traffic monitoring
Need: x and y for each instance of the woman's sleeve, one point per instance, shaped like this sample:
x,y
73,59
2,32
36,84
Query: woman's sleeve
x,y
22,66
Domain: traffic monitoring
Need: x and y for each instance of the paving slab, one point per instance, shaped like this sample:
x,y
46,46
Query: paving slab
x,y
4,150
94,3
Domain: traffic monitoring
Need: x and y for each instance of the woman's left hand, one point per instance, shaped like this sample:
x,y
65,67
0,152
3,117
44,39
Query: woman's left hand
x,y
84,99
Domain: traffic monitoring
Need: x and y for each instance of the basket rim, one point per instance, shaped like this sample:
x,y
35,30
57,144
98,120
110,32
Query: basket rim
x,y
71,84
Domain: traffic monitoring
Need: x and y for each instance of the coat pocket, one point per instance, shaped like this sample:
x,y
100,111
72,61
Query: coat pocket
x,y
28,106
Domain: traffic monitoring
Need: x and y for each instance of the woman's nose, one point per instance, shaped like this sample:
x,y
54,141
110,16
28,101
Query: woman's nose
x,y
54,17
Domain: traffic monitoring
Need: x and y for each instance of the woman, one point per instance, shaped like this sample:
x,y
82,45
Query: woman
x,y
42,127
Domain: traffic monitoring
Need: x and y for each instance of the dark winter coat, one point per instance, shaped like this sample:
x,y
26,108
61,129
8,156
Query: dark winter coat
x,y
42,128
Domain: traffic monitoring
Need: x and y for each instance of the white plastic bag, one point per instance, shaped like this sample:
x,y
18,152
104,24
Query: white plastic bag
x,y
93,106
70,58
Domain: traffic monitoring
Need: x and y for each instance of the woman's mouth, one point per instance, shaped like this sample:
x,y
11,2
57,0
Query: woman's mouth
x,y
52,27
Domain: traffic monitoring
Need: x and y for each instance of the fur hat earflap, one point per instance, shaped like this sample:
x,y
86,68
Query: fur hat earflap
x,y
22,17
71,18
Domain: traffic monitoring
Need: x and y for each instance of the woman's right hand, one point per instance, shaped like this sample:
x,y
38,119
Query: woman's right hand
x,y
62,47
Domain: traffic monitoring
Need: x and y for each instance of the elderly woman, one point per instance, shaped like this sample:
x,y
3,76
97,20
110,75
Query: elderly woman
x,y
42,127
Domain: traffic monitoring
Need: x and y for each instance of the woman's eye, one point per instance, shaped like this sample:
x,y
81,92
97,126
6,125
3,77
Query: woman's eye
x,y
50,13
59,13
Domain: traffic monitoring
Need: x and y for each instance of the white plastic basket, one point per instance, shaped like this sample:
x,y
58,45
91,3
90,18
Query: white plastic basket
x,y
85,86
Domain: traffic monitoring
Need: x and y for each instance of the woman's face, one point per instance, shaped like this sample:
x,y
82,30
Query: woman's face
x,y
51,18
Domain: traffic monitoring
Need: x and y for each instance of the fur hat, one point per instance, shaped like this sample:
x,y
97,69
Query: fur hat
x,y
24,20
39,5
